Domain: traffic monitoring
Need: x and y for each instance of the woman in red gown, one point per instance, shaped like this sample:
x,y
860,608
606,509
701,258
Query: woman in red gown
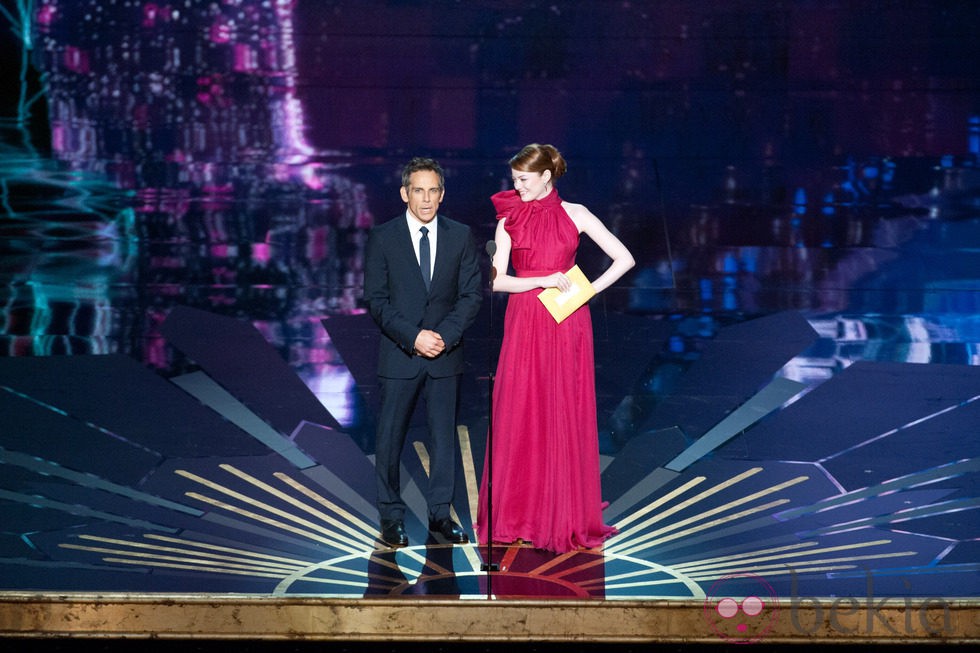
x,y
546,487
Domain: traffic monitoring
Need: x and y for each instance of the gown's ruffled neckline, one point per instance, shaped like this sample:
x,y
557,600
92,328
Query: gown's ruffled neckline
x,y
509,204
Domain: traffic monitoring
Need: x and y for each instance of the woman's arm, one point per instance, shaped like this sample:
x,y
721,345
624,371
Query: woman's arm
x,y
504,282
589,224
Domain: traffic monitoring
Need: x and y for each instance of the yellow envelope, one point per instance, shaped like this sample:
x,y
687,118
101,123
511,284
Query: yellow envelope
x,y
562,304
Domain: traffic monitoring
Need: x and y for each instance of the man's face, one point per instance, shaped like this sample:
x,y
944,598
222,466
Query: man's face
x,y
423,195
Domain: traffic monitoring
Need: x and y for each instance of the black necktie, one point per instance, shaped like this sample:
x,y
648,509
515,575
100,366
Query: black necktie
x,y
424,256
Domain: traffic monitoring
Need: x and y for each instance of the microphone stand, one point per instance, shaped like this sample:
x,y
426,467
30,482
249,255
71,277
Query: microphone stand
x,y
490,566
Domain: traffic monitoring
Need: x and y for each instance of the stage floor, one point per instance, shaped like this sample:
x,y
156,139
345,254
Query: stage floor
x,y
223,499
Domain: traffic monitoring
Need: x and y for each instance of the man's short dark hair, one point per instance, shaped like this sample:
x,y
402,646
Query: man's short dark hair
x,y
422,163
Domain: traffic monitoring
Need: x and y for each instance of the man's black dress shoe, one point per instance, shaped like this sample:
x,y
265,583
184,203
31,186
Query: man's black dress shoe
x,y
393,532
448,530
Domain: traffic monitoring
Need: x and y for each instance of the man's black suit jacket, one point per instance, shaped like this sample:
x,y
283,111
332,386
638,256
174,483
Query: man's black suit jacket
x,y
398,301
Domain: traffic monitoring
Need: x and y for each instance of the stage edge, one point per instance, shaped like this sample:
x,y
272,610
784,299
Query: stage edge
x,y
234,617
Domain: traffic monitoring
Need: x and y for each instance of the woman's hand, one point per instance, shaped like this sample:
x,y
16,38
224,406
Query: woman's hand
x,y
557,280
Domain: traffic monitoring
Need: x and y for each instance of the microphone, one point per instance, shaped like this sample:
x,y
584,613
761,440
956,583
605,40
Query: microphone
x,y
491,250
490,565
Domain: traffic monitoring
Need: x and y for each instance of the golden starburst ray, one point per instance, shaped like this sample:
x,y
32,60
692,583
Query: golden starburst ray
x,y
309,529
353,520
293,501
660,516
194,556
656,503
628,545
275,523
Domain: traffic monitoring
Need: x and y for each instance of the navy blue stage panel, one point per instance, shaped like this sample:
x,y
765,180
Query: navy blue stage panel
x,y
118,400
234,353
733,365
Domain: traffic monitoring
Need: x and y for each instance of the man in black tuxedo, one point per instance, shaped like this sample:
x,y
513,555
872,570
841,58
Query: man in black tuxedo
x,y
422,286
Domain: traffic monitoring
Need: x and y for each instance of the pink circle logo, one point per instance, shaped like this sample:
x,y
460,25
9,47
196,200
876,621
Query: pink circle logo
x,y
741,608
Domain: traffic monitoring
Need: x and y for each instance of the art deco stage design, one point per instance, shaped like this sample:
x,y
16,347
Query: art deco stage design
x,y
788,382
233,482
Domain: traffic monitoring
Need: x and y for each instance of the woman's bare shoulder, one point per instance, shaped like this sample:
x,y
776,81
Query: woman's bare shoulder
x,y
579,214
